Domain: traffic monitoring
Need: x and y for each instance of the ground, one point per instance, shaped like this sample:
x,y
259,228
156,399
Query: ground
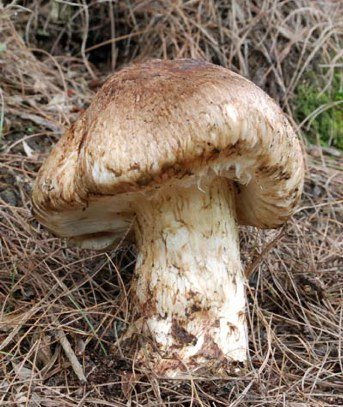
x,y
57,301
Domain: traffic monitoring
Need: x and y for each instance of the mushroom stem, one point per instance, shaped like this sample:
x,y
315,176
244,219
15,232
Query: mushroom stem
x,y
189,285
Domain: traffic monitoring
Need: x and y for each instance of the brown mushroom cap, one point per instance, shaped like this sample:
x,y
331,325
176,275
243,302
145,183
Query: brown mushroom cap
x,y
165,122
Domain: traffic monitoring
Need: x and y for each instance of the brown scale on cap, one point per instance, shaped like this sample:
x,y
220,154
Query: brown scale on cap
x,y
160,121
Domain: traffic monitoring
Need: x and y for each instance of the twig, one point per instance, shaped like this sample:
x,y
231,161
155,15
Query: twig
x,y
75,364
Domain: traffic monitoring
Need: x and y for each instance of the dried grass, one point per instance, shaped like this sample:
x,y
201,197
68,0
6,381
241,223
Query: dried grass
x,y
59,304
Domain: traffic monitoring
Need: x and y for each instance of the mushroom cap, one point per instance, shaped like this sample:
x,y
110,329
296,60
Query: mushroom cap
x,y
161,123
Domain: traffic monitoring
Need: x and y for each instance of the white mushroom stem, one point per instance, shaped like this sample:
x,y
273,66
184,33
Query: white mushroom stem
x,y
189,285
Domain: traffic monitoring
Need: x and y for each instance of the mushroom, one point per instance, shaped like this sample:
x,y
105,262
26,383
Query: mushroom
x,y
183,151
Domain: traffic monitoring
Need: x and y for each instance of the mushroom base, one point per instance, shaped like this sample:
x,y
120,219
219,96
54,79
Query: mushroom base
x,y
189,298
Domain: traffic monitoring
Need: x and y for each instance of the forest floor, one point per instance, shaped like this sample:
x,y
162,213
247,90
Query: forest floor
x,y
53,58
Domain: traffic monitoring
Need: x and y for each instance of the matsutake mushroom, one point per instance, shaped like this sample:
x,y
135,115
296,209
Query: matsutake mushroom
x,y
183,151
